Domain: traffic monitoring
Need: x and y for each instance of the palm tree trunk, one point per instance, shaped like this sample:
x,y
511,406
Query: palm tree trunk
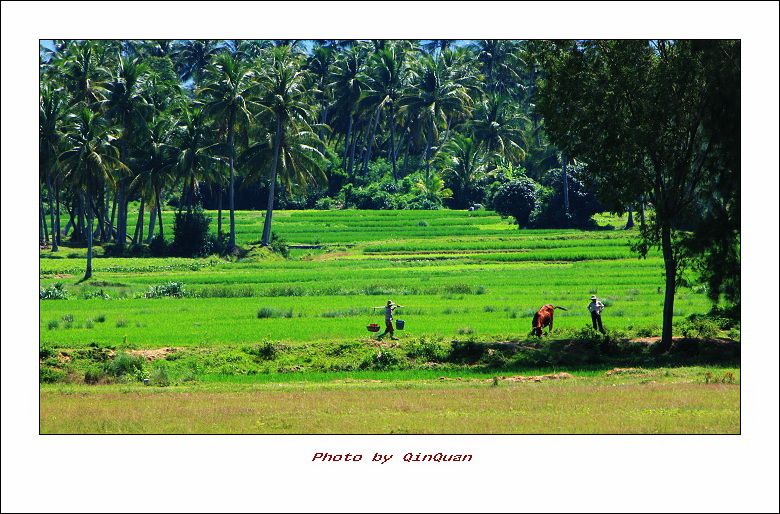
x,y
323,120
346,144
565,187
96,213
159,211
269,211
112,230
428,151
120,200
81,231
139,225
71,217
232,241
630,222
51,213
152,218
43,233
447,133
642,211
108,230
219,215
408,145
57,211
392,143
370,143
355,138
88,272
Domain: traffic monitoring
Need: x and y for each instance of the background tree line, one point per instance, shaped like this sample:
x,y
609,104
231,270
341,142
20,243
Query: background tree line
x,y
548,132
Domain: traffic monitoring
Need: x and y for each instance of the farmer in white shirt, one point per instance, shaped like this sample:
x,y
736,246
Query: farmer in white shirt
x,y
389,308
595,307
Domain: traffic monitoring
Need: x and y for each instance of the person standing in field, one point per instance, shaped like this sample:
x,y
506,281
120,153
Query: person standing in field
x,y
389,308
595,307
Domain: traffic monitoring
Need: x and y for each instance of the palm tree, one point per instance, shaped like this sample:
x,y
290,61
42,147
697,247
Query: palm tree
x,y
319,68
52,112
128,108
196,159
438,45
500,129
385,78
90,160
286,108
81,74
465,169
192,57
501,63
155,168
436,94
347,87
230,97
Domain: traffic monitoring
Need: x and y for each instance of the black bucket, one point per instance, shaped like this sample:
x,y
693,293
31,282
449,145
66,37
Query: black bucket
x,y
399,324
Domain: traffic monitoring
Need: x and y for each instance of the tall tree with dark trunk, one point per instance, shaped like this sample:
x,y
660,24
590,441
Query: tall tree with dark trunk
x,y
638,112
89,160
230,98
286,111
127,108
52,112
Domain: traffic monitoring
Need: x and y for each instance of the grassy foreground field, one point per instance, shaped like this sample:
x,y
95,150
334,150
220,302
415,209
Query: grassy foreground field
x,y
660,401
262,344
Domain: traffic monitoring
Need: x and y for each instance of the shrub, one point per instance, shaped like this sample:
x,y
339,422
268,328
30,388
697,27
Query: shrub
x,y
159,246
54,292
323,204
121,322
160,376
648,331
45,352
379,360
699,326
48,375
466,352
270,312
172,289
124,364
551,210
53,324
94,374
191,236
278,244
96,294
265,351
426,350
517,198
493,358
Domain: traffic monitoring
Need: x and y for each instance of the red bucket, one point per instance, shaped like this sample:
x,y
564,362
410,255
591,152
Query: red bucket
x,y
373,327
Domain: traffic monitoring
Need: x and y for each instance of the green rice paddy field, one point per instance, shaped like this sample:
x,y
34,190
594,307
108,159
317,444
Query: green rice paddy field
x,y
467,276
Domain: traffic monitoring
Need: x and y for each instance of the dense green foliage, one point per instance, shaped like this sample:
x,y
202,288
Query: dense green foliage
x,y
642,115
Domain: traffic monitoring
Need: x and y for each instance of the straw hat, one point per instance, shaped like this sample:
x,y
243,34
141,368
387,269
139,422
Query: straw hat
x,y
593,297
390,302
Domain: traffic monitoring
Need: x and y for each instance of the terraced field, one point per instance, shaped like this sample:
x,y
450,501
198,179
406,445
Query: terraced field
x,y
485,279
